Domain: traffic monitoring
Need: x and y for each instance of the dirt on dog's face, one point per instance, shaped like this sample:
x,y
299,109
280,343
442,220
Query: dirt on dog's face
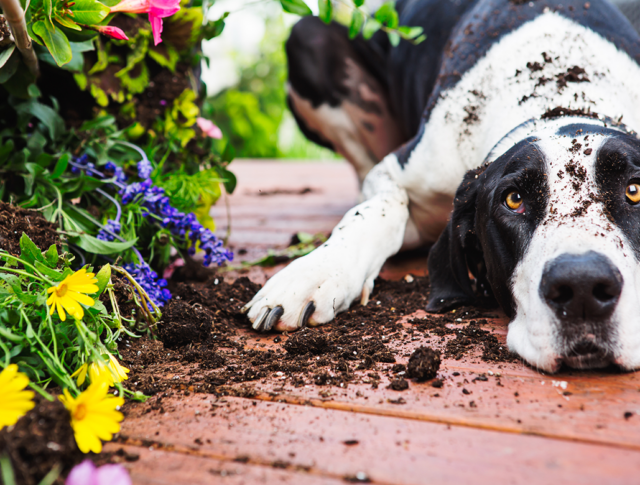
x,y
552,229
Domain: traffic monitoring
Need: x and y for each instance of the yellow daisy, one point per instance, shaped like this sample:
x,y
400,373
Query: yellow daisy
x,y
70,292
15,400
94,415
111,372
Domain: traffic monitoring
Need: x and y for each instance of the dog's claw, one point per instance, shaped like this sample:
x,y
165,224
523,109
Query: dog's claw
x,y
307,311
272,319
260,318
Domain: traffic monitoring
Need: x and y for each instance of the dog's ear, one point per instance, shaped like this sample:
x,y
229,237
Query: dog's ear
x,y
456,252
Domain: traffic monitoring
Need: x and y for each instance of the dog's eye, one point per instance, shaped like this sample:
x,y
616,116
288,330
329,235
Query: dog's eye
x,y
514,202
633,193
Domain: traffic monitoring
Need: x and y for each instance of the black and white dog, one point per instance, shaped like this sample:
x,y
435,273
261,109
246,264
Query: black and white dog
x,y
535,102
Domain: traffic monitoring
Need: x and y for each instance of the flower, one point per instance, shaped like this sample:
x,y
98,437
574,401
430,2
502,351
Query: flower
x,y
107,232
94,415
15,400
112,170
70,292
157,10
144,168
98,371
208,128
86,473
113,32
149,281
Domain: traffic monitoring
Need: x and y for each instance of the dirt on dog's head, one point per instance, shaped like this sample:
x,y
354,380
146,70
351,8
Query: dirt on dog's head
x,y
551,229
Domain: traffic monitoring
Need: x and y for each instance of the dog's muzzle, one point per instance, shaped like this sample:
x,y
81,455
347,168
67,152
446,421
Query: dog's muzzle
x,y
583,291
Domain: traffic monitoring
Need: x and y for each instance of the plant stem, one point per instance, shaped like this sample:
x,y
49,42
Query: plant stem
x,y
14,14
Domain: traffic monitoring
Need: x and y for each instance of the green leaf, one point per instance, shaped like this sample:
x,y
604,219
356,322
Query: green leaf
x,y
96,246
13,281
387,14
6,54
48,117
10,66
89,12
48,9
357,21
370,28
61,166
48,272
229,180
325,8
29,251
56,42
410,32
51,256
358,3
229,153
295,6
103,276
66,21
394,38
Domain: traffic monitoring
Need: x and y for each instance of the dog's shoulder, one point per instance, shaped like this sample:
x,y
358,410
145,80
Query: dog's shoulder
x,y
487,22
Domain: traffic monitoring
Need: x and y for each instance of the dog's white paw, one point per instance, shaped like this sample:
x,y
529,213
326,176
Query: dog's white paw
x,y
311,290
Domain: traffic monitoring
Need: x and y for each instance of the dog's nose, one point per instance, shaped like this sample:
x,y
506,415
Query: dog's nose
x,y
583,287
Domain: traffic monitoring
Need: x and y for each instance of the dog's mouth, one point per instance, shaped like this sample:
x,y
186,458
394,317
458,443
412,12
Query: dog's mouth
x,y
588,354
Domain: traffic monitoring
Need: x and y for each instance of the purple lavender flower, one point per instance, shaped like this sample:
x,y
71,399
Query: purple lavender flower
x,y
149,280
113,170
86,473
110,227
144,168
84,163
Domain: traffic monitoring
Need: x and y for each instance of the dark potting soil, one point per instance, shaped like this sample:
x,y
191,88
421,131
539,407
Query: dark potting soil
x,y
14,221
39,441
203,344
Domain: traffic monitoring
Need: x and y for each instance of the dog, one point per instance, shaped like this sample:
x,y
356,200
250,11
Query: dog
x,y
511,141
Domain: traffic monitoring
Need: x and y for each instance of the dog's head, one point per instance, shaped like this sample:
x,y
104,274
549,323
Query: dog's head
x,y
551,228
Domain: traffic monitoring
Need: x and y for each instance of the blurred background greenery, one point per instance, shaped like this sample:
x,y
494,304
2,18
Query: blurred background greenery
x,y
246,79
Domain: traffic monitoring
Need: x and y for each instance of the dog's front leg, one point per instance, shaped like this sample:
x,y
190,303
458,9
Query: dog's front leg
x,y
314,288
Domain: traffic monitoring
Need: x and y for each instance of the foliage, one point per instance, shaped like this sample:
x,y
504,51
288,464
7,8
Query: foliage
x,y
47,349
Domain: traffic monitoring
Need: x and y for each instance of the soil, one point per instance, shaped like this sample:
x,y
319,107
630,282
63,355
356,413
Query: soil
x,y
39,441
423,364
560,111
203,347
14,221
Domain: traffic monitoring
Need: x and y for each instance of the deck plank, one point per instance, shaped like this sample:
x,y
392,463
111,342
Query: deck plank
x,y
388,449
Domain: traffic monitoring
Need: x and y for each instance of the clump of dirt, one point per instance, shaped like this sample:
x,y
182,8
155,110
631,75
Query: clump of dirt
x,y
39,441
560,111
14,221
399,384
575,74
183,323
307,342
423,364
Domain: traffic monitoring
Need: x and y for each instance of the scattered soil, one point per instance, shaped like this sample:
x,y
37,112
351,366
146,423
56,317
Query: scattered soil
x,y
423,364
560,111
204,347
39,441
575,74
14,221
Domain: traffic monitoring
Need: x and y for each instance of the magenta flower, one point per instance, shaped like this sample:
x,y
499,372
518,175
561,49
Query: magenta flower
x,y
157,10
114,32
208,128
86,473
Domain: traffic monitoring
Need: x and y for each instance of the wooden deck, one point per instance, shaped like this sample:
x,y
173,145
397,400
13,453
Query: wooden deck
x,y
515,426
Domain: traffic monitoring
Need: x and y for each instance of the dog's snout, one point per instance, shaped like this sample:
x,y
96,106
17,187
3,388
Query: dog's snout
x,y
584,287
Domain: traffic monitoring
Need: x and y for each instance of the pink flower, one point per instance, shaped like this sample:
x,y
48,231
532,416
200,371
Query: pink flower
x,y
208,128
86,473
114,32
157,10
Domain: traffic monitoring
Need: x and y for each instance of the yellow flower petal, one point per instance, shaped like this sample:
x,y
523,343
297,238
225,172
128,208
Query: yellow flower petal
x,y
93,415
15,402
71,292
